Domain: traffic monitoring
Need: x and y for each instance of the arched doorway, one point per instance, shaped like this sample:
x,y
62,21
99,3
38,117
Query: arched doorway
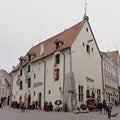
x,y
20,99
40,99
29,100
93,95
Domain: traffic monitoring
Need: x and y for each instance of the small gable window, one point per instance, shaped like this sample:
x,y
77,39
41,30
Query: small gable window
x,y
58,43
92,49
87,29
88,48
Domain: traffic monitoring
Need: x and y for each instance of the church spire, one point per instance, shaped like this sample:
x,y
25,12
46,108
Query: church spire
x,y
85,14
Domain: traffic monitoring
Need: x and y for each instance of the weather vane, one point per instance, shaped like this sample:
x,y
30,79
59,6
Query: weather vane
x,y
85,14
85,7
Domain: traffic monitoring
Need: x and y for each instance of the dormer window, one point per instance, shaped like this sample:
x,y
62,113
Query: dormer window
x,y
22,60
41,49
58,43
29,58
31,55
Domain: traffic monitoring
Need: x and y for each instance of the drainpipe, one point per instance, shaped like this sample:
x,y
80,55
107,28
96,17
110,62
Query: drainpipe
x,y
103,82
71,78
44,78
63,72
63,79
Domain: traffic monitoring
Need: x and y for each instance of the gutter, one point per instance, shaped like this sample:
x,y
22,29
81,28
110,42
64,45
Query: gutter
x,y
44,79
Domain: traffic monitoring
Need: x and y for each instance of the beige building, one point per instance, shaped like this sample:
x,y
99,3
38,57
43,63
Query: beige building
x,y
110,76
65,67
5,87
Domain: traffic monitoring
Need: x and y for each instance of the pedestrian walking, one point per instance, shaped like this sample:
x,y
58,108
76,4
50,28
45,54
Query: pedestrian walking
x,y
22,106
109,108
104,107
100,106
26,106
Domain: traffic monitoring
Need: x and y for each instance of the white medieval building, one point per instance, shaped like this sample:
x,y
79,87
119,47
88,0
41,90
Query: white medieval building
x,y
65,67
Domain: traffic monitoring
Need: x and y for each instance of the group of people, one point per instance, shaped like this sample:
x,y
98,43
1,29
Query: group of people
x,y
106,107
48,106
23,106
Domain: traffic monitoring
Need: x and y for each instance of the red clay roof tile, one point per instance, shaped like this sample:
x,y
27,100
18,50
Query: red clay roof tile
x,y
67,37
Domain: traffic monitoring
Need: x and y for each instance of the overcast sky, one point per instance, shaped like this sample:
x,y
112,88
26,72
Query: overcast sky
x,y
24,23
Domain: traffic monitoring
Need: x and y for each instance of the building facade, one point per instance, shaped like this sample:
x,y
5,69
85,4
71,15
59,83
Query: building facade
x,y
110,77
5,87
66,67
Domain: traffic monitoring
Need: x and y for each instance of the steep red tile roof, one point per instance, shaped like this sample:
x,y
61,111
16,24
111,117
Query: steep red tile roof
x,y
67,37
115,55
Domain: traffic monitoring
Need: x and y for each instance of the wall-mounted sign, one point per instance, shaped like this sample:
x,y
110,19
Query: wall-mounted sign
x,y
88,79
37,84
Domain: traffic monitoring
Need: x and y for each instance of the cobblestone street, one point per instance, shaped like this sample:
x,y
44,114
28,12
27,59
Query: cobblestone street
x,y
14,114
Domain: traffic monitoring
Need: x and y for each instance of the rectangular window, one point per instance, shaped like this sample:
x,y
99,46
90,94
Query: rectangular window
x,y
57,61
29,82
80,93
20,72
98,94
20,85
56,74
29,68
88,48
34,76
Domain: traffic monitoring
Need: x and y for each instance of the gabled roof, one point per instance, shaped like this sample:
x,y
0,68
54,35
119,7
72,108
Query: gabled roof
x,y
115,55
7,77
67,37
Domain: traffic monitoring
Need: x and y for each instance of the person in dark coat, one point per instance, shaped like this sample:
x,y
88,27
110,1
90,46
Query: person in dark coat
x,y
100,106
109,109
50,106
104,107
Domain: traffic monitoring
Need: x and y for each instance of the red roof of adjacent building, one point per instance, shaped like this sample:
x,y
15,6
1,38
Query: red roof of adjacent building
x,y
115,55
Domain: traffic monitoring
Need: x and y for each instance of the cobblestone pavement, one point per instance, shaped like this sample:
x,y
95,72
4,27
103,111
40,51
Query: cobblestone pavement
x,y
14,114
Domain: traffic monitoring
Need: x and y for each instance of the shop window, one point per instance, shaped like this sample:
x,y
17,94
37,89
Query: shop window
x,y
87,93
